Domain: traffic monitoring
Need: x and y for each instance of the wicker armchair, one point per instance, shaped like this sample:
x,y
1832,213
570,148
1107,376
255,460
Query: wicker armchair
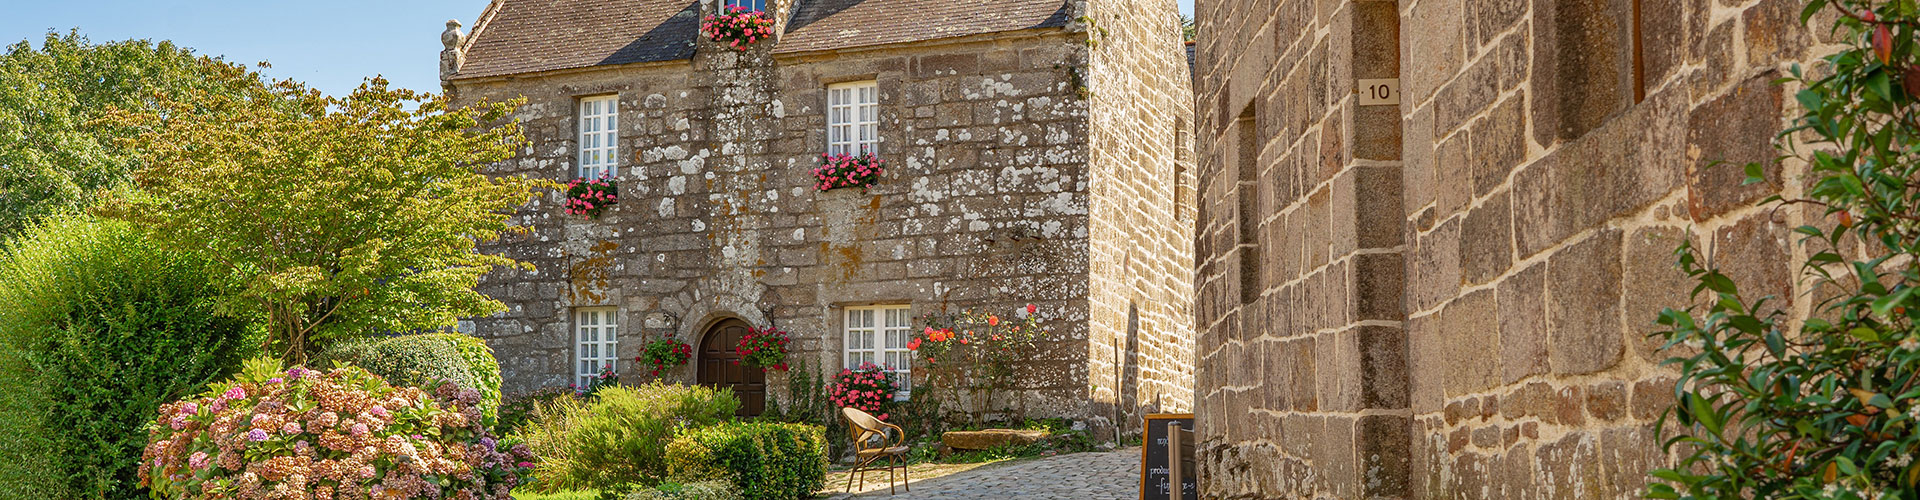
x,y
864,428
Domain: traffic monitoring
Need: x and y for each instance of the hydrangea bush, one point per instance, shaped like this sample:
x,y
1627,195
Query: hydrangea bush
x,y
765,347
868,388
843,170
738,29
337,434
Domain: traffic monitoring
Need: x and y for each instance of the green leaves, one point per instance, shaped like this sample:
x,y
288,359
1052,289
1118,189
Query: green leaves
x,y
1769,411
57,156
343,216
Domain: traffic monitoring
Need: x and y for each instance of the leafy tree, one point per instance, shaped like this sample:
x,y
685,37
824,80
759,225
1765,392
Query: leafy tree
x,y
339,216
1827,406
53,157
1187,31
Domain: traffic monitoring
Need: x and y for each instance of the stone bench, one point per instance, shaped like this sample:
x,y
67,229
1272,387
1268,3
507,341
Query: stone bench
x,y
989,438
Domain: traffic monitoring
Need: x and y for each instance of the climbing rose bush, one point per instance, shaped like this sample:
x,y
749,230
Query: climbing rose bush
x,y
868,388
765,347
738,28
591,197
976,351
338,434
843,170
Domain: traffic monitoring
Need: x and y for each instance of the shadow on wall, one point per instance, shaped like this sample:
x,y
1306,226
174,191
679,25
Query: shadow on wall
x,y
1126,410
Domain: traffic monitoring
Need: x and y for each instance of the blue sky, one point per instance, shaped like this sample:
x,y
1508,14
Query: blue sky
x,y
330,44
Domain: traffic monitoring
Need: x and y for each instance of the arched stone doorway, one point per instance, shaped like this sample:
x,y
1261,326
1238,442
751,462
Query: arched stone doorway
x,y
720,366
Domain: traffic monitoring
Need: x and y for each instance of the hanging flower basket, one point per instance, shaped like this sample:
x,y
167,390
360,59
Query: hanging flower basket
x,y
664,354
591,197
842,170
738,28
765,348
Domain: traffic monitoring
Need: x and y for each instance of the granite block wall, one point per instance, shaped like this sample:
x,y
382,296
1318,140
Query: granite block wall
x,y
1464,280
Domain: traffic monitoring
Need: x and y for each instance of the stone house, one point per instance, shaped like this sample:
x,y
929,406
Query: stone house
x,y
1035,154
1445,291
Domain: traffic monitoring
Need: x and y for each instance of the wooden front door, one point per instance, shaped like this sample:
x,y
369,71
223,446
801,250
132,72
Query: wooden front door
x,y
721,366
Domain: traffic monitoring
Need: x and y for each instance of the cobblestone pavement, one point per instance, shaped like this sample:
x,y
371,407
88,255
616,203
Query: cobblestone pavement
x,y
1092,476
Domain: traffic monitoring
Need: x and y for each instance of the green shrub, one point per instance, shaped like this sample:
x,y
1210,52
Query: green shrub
x,y
516,410
415,360
99,329
1817,394
699,490
762,460
808,403
615,438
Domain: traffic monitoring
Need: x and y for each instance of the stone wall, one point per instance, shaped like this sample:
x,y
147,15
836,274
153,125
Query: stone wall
x,y
1141,334
1451,300
985,204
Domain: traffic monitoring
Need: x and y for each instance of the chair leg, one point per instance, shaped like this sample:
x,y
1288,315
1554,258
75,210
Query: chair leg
x,y
890,476
850,474
905,483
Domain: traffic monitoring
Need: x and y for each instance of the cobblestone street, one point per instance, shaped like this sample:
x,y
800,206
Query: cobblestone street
x,y
1092,475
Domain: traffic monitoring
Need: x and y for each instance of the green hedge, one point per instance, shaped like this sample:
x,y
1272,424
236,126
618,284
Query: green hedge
x,y
413,360
98,328
761,459
699,490
614,438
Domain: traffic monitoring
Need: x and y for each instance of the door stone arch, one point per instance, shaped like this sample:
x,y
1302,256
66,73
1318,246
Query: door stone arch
x,y
722,366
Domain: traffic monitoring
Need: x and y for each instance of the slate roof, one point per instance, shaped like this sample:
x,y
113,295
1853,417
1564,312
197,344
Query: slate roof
x,y
526,36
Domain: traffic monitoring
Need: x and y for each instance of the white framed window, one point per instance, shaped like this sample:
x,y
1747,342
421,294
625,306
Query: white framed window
x,y
853,118
595,340
879,335
746,5
599,136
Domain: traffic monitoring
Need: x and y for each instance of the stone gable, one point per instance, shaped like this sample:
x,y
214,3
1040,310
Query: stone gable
x,y
994,198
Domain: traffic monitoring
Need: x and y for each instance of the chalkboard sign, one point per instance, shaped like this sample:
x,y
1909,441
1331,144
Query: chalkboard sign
x,y
1153,459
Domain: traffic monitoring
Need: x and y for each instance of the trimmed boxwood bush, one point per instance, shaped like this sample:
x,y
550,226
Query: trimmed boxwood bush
x,y
700,490
761,459
417,360
98,329
614,438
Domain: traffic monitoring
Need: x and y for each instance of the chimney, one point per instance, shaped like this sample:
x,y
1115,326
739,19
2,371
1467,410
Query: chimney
x,y
454,55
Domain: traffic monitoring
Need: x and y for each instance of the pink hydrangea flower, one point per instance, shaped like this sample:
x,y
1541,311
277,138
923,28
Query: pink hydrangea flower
x,y
234,392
